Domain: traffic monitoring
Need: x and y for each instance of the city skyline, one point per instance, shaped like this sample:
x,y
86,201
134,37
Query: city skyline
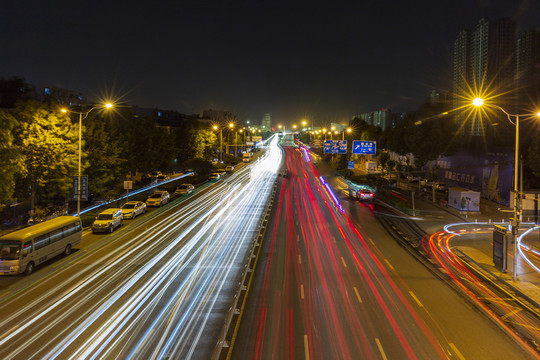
x,y
290,60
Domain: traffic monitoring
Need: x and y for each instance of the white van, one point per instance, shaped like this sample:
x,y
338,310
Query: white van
x,y
22,250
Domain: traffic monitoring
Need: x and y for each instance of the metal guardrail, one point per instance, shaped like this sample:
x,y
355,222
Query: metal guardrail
x,y
227,336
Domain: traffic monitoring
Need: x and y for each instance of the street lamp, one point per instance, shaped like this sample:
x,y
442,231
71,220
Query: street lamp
x,y
106,106
221,127
516,222
348,130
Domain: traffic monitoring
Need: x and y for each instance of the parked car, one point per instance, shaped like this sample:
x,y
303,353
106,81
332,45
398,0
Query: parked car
x,y
131,209
221,172
439,186
425,183
413,178
162,177
159,198
189,171
184,189
365,195
108,220
229,168
214,177
154,174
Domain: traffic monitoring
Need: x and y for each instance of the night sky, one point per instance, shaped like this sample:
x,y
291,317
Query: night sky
x,y
324,60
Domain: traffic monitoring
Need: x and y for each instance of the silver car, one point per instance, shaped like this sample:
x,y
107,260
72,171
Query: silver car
x,y
184,189
132,209
159,198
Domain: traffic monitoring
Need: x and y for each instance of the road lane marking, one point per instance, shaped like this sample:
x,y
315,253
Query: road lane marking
x,y
511,313
357,295
300,259
334,239
416,299
9,332
302,291
459,355
389,265
306,347
343,261
381,350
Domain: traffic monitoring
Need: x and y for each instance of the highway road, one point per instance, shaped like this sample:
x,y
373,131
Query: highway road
x,y
157,288
332,284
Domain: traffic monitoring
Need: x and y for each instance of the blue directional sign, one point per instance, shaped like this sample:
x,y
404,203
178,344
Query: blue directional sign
x,y
335,146
84,187
364,147
351,164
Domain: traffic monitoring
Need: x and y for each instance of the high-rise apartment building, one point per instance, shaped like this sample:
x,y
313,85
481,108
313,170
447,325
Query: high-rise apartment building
x,y
484,64
267,122
528,71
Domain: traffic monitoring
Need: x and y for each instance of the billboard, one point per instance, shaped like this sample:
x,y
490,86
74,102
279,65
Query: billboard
x,y
364,147
335,146
84,188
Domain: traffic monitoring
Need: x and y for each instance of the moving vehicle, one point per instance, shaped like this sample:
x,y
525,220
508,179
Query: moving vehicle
x,y
131,209
214,176
184,189
365,195
22,250
246,157
108,220
159,198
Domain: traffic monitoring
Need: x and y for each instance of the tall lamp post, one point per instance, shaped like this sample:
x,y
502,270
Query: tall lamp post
x,y
220,127
516,222
81,117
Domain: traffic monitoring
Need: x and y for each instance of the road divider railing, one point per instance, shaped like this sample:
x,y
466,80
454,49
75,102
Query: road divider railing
x,y
223,349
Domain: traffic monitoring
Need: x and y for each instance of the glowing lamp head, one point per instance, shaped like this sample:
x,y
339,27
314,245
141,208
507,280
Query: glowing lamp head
x,y
478,102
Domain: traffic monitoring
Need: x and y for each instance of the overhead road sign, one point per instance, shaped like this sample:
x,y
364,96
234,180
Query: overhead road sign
x,y
364,147
335,146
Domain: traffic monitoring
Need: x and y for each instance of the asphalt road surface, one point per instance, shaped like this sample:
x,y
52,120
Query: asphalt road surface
x,y
159,287
332,284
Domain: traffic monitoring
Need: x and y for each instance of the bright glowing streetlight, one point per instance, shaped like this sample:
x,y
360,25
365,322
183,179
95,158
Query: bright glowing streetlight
x,y
64,110
517,216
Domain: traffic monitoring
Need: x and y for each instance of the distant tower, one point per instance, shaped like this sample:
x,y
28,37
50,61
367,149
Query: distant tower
x,y
266,122
483,61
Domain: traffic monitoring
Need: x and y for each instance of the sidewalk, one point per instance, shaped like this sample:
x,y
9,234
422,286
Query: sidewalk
x,y
433,217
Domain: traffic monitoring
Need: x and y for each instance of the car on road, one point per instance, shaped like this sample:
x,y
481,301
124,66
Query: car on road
x,y
184,189
365,195
229,168
132,209
162,177
108,220
214,177
159,198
